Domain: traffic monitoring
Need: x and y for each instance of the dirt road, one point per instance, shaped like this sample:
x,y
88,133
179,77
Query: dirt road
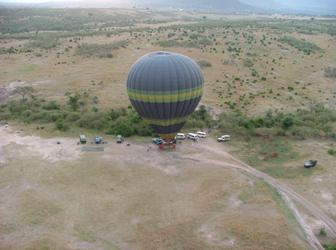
x,y
287,194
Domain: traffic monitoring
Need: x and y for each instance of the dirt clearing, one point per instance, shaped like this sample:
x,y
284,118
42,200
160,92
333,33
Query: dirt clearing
x,y
55,196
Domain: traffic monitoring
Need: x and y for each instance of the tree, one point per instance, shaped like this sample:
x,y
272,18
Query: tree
x,y
123,128
287,122
23,91
73,100
11,50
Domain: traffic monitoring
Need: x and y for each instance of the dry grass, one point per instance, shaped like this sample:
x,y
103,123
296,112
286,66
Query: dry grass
x,y
125,197
59,70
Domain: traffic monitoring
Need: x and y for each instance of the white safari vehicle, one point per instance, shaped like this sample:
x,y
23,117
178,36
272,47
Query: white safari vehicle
x,y
192,136
180,136
224,138
201,134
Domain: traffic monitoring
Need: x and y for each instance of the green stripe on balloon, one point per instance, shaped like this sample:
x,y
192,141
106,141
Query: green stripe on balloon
x,y
164,92
165,97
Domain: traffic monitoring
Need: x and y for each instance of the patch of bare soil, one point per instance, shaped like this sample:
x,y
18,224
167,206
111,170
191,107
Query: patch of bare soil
x,y
47,149
7,91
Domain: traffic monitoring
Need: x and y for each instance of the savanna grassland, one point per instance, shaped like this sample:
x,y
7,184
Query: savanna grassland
x,y
270,82
249,64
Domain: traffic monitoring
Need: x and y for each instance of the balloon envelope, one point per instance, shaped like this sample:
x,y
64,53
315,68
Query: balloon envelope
x,y
165,88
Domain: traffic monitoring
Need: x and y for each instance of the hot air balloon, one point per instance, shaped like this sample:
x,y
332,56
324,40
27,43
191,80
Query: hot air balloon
x,y
165,88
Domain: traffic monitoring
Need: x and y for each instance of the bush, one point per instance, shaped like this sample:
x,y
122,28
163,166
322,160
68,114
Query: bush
x,y
332,152
60,125
330,72
302,124
323,232
170,43
72,117
201,118
99,50
205,42
301,45
330,247
248,63
287,122
52,105
195,43
46,41
93,120
204,64
122,128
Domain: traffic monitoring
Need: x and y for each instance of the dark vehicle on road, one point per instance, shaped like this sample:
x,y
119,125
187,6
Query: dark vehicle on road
x,y
158,141
310,164
98,140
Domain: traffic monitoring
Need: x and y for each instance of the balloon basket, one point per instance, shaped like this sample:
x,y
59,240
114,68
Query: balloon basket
x,y
167,145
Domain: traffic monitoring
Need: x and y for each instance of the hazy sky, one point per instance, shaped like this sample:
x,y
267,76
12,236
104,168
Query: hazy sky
x,y
321,4
36,1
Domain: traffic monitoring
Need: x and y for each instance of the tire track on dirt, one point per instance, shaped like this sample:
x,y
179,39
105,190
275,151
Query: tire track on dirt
x,y
287,194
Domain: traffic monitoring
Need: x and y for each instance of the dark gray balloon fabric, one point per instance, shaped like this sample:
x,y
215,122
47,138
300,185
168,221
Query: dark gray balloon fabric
x,y
165,88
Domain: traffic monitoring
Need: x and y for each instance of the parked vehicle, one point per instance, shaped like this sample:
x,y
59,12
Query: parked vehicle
x,y
158,141
310,164
120,139
192,136
98,140
180,136
224,138
82,139
201,134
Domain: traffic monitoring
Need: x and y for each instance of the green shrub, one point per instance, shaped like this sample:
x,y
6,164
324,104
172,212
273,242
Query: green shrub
x,y
205,42
301,124
204,64
323,232
248,63
316,122
45,41
99,50
170,43
287,122
93,120
332,152
27,113
62,126
330,72
200,118
301,45
52,105
330,247
121,128
73,100
72,117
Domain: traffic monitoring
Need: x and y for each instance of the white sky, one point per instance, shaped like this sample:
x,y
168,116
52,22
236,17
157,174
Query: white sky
x,y
290,3
36,1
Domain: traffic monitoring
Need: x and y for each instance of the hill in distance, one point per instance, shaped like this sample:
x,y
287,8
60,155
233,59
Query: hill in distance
x,y
210,5
315,7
